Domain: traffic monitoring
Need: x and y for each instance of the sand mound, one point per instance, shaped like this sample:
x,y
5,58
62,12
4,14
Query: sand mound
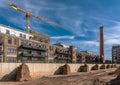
x,y
116,72
116,81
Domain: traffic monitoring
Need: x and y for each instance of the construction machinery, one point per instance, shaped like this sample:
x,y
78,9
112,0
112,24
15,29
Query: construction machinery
x,y
29,14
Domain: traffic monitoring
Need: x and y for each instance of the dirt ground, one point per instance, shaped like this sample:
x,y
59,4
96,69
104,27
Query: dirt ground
x,y
99,77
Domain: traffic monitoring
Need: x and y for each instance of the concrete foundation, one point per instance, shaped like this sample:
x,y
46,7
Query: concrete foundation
x,y
37,69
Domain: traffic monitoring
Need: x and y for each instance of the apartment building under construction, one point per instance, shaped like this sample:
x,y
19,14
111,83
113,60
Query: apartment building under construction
x,y
20,46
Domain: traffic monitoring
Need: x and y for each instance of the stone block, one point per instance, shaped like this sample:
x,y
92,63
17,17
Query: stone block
x,y
102,66
112,66
84,68
95,67
23,73
65,69
108,66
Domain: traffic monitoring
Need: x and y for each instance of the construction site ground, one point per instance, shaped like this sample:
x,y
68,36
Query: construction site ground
x,y
99,77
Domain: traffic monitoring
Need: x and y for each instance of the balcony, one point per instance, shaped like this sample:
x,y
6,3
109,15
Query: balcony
x,y
33,47
62,52
63,58
1,52
1,42
32,55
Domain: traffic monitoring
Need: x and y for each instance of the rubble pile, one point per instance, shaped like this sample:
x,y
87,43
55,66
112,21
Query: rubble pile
x,y
116,81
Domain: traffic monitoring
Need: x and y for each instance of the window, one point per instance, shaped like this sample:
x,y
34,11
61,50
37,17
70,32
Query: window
x,y
7,31
24,36
34,59
23,59
24,42
20,35
11,59
11,50
30,37
9,40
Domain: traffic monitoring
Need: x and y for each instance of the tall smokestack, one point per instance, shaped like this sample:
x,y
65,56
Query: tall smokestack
x,y
102,44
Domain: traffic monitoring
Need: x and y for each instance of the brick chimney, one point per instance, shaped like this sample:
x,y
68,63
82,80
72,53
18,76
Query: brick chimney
x,y
102,44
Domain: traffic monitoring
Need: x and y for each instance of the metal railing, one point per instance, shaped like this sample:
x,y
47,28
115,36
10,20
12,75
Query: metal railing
x,y
33,47
32,55
62,52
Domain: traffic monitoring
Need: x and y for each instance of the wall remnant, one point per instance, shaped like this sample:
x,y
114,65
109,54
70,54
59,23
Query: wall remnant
x,y
23,73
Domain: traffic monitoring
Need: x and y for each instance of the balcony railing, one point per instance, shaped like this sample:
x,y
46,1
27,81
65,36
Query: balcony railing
x,y
63,58
62,52
32,55
33,47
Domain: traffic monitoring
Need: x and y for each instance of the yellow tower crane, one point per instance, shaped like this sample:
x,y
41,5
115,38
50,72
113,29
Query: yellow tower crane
x,y
28,14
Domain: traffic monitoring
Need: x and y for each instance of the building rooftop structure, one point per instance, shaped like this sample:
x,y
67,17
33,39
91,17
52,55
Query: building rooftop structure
x,y
87,52
14,32
22,34
62,45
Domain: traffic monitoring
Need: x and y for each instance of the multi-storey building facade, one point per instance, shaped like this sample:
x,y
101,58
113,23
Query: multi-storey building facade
x,y
86,57
18,46
116,54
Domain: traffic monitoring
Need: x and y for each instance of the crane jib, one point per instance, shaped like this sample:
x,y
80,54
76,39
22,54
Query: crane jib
x,y
31,14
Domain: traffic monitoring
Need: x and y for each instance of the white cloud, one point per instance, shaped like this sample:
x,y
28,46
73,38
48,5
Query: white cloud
x,y
112,35
63,37
112,41
91,43
87,45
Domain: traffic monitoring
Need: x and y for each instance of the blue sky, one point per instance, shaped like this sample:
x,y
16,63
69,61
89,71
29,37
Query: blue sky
x,y
81,18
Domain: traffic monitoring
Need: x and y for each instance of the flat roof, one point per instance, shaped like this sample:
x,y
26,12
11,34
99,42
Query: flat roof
x,y
22,30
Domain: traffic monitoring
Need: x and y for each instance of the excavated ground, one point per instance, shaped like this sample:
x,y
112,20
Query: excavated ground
x,y
100,77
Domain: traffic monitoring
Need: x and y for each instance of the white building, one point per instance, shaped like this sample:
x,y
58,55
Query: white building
x,y
14,32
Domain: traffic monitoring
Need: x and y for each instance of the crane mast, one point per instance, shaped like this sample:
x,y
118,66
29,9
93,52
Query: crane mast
x,y
28,22
29,14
